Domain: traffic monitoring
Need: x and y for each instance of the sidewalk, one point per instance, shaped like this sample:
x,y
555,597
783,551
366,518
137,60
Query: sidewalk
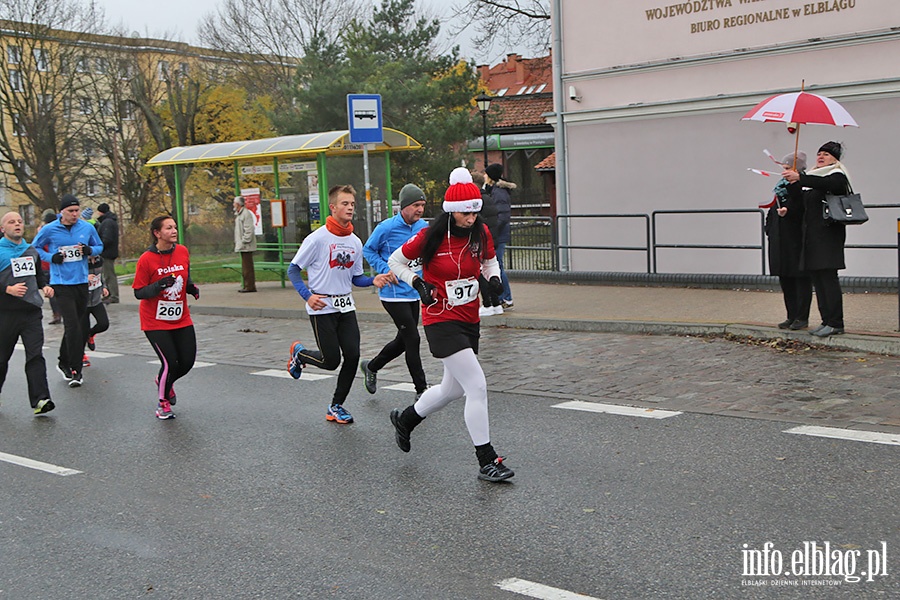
x,y
871,319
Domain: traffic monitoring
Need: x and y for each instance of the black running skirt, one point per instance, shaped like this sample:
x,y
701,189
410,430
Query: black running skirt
x,y
449,337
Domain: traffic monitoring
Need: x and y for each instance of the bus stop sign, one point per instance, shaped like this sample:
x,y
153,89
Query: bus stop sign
x,y
364,117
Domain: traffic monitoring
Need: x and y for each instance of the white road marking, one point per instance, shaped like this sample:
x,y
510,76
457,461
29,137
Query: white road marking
x,y
538,590
33,464
613,409
874,437
283,374
402,387
94,354
197,365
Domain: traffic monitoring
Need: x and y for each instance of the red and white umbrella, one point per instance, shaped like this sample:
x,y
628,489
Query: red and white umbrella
x,y
801,107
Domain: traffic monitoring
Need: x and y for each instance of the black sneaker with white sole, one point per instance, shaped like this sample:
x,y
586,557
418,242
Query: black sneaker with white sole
x,y
66,372
76,380
495,471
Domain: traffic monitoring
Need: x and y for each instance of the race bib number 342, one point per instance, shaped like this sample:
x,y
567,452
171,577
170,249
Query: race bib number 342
x,y
23,266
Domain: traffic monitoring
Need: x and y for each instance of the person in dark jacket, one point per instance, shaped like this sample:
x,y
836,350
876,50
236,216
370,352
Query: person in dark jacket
x,y
823,243
108,228
499,190
490,302
21,281
785,235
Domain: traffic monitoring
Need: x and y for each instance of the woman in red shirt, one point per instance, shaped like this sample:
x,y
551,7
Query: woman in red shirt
x,y
453,250
162,281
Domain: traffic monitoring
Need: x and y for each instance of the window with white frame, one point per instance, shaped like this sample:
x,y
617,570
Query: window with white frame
x,y
18,129
13,54
101,65
83,65
41,60
45,103
84,105
125,69
163,70
15,81
126,110
88,146
183,69
23,170
105,107
91,187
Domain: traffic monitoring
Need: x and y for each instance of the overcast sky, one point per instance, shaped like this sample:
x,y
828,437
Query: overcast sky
x,y
179,18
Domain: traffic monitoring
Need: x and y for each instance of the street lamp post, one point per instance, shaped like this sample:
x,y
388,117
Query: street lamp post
x,y
483,101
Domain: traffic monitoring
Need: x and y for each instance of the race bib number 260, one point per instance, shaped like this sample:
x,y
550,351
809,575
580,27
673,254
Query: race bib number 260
x,y
169,311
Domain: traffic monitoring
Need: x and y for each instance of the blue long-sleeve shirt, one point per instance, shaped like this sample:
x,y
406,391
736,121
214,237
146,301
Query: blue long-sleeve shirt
x,y
389,235
54,235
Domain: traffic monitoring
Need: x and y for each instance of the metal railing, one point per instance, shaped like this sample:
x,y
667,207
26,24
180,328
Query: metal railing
x,y
762,232
535,240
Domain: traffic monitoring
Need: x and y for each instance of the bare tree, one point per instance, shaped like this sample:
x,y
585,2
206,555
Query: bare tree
x,y
264,38
514,25
46,110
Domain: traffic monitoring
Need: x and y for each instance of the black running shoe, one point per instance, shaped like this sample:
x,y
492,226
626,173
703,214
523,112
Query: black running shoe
x,y
401,434
66,372
370,376
495,471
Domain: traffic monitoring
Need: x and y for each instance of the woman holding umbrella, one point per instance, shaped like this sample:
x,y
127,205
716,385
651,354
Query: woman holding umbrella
x,y
823,243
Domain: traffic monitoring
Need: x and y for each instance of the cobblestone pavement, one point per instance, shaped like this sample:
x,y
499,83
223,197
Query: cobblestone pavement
x,y
695,374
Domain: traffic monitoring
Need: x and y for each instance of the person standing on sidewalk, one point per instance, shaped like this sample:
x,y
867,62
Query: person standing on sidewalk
x,y
21,280
823,243
162,281
108,228
454,250
69,242
399,300
245,243
785,233
499,190
332,257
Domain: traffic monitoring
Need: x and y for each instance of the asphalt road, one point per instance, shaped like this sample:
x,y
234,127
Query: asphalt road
x,y
250,493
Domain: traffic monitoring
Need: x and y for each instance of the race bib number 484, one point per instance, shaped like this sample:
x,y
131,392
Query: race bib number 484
x,y
343,303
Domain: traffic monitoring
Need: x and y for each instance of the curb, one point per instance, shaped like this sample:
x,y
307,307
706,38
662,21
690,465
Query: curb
x,y
857,342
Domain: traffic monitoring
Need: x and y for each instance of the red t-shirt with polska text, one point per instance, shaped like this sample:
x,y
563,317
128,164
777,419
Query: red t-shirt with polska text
x,y
168,310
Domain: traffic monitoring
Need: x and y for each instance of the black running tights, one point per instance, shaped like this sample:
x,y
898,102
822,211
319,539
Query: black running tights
x,y
176,349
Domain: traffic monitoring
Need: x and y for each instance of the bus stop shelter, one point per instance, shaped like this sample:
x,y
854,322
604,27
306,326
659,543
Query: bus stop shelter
x,y
277,152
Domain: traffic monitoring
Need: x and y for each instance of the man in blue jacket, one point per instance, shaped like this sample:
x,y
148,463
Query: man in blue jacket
x,y
399,299
70,241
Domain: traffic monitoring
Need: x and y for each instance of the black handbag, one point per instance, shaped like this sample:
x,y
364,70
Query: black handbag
x,y
846,209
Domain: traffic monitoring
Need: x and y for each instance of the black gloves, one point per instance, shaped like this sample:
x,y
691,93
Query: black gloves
x,y
193,290
496,285
57,259
166,282
425,291
85,249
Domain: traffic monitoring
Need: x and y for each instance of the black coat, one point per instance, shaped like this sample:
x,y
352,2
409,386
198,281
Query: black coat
x,y
489,212
108,230
785,242
823,244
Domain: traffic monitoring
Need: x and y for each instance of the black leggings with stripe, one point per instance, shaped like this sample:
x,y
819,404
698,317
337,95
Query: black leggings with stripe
x,y
177,350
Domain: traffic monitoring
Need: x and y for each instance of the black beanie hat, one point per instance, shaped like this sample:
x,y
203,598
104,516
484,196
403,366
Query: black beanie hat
x,y
410,194
832,148
103,207
67,201
494,171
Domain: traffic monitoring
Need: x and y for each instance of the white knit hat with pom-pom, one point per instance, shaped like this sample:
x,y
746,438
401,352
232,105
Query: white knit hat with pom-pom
x,y
462,195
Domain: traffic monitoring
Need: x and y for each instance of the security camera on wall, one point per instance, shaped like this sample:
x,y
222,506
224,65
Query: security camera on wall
x,y
573,94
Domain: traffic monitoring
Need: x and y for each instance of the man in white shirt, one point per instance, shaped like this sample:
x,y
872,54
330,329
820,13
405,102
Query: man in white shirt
x,y
332,256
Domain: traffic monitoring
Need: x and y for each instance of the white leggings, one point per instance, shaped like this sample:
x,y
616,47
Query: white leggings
x,y
462,377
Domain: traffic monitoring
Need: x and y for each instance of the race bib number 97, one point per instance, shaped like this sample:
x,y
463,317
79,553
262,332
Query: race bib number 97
x,y
461,291
169,311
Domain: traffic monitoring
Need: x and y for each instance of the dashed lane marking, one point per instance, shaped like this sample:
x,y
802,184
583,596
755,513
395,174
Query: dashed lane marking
x,y
95,354
34,464
402,387
197,365
874,437
614,409
283,374
538,590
